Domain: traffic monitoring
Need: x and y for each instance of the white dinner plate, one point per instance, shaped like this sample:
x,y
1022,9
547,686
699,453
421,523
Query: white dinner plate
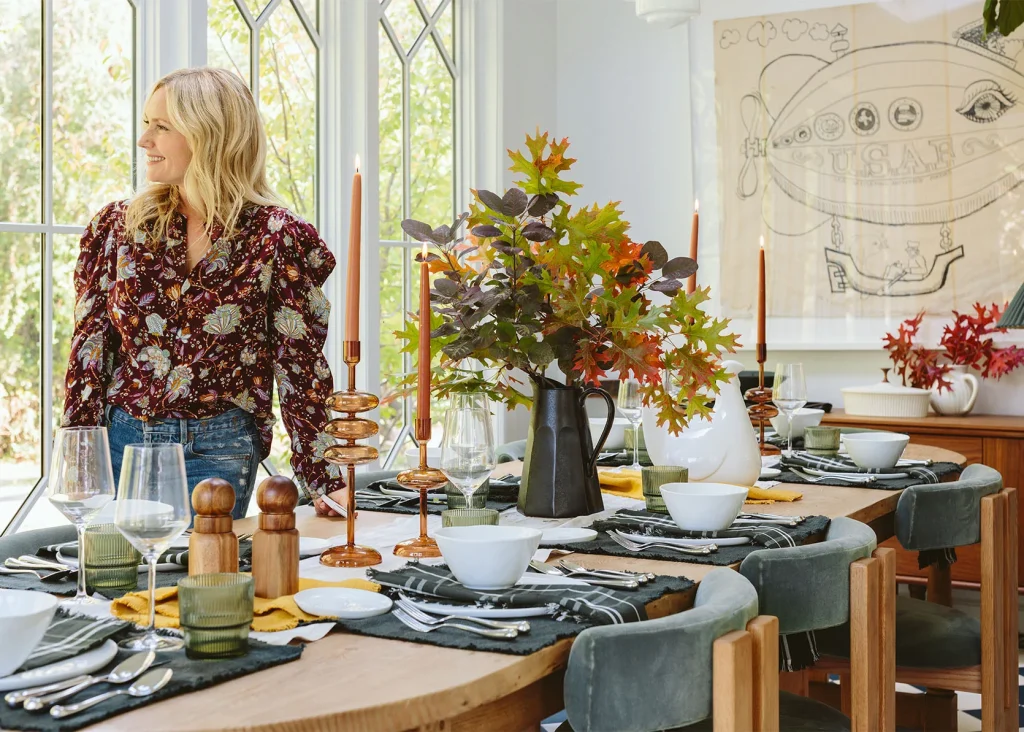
x,y
876,476
769,473
725,541
84,663
566,535
538,578
441,608
310,546
342,602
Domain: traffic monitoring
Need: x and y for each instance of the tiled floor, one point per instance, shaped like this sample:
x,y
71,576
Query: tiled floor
x,y
968,704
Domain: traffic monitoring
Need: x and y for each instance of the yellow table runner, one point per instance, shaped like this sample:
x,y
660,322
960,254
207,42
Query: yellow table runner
x,y
268,615
625,482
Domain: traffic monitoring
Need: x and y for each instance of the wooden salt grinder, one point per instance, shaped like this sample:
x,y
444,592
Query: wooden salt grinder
x,y
275,546
213,546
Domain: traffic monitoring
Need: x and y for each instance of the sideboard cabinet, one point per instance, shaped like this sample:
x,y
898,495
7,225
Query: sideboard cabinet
x,y
996,441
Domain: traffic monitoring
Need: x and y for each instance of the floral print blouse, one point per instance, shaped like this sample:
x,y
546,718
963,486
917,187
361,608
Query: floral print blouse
x,y
158,341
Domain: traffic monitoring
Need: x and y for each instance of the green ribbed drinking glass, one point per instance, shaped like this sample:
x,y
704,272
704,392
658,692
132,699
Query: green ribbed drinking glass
x,y
215,613
652,477
111,562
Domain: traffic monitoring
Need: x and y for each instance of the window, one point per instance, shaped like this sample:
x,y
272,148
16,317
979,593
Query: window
x,y
67,83
417,77
282,36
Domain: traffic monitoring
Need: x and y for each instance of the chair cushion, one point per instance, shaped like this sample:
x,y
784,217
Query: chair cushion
x,y
928,635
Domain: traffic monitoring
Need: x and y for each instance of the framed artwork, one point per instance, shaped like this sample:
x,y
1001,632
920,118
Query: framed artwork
x,y
879,151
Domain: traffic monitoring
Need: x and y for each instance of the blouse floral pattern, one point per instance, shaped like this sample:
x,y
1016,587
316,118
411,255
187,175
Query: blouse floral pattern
x,y
158,341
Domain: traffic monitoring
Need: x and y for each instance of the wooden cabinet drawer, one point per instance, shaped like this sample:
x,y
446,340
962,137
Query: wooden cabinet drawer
x,y
972,448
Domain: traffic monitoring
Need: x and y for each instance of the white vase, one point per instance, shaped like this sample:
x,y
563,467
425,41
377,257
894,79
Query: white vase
x,y
961,397
722,450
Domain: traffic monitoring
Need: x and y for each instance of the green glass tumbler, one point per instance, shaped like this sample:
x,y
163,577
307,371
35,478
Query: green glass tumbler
x,y
469,517
655,476
111,563
215,613
457,499
822,441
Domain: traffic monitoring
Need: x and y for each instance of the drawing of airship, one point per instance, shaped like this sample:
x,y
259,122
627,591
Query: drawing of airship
x,y
915,133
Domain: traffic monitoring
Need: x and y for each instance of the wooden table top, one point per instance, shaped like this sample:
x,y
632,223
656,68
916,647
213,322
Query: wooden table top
x,y
354,682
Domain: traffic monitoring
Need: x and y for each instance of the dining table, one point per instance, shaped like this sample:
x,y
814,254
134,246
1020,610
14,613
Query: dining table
x,y
357,682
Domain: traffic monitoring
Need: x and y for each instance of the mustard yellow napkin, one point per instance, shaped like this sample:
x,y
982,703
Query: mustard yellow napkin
x,y
281,613
628,483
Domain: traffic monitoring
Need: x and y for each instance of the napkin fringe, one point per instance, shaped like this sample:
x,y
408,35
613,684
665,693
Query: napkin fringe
x,y
797,651
929,557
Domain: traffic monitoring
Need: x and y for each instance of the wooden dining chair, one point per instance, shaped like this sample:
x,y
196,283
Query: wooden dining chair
x,y
696,670
836,583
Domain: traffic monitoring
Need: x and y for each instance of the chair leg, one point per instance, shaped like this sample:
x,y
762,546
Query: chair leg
x,y
732,678
993,606
764,631
864,649
1010,617
886,687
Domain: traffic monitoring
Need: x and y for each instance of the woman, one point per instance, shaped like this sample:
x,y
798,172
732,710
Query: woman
x,y
197,292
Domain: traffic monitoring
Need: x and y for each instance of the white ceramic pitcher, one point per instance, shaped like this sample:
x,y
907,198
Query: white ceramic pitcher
x,y
961,397
722,450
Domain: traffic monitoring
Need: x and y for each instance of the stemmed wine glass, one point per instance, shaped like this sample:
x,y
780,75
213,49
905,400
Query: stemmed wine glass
x,y
467,450
153,508
631,406
81,483
789,393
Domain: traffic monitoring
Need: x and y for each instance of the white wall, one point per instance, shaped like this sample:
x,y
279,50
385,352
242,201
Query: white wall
x,y
628,95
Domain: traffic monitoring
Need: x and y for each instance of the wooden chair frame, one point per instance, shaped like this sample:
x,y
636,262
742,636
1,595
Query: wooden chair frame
x,y
996,678
746,678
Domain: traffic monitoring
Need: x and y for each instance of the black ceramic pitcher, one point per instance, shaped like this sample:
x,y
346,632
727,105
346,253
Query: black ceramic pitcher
x,y
560,468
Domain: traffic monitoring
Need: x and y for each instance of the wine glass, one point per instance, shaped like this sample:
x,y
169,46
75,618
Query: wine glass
x,y
81,483
631,405
153,508
789,393
467,450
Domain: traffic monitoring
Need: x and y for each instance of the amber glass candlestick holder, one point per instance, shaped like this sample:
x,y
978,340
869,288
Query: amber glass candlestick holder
x,y
762,410
422,479
350,428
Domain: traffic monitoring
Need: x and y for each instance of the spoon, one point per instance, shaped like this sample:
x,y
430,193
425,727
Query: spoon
x,y
544,568
130,668
642,577
149,684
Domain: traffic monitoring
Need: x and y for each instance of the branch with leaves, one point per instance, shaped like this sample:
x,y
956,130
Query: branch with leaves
x,y
538,283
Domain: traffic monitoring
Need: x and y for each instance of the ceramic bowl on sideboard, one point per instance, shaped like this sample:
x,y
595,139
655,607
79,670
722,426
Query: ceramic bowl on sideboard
x,y
616,437
24,617
487,557
803,418
875,450
703,506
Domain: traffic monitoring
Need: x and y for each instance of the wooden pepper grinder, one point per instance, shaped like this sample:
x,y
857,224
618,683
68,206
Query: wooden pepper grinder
x,y
213,546
275,546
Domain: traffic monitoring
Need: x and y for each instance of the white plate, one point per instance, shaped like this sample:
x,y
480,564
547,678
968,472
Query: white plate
x,y
854,476
726,541
769,473
440,608
566,535
537,578
342,602
84,663
310,546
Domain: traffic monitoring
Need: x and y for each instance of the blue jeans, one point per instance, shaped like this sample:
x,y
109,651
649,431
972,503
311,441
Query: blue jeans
x,y
226,446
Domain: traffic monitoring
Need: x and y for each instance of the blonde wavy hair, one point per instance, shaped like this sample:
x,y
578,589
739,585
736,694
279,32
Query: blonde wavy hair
x,y
215,111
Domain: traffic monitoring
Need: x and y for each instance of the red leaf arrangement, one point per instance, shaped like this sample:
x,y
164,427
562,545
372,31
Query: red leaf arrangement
x,y
916,365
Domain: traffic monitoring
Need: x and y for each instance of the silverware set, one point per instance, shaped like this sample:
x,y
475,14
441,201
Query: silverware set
x,y
132,669
42,569
591,578
845,477
423,622
637,546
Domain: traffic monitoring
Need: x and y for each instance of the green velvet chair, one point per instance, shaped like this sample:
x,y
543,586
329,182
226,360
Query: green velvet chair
x,y
27,542
674,672
511,451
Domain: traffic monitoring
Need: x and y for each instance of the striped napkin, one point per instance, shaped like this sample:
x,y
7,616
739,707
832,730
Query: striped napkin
x,y
844,465
770,536
68,636
595,604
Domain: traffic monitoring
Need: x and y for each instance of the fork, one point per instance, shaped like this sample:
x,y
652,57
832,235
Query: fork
x,y
641,577
520,626
630,545
411,622
817,479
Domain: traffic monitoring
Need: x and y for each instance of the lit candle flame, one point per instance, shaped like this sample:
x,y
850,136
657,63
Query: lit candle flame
x,y
424,251
762,242
357,163
696,205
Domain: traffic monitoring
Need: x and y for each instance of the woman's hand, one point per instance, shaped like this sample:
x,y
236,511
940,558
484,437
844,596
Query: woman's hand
x,y
322,509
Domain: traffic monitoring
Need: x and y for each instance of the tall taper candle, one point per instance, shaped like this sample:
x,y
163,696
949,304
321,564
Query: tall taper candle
x,y
691,282
760,295
423,393
354,258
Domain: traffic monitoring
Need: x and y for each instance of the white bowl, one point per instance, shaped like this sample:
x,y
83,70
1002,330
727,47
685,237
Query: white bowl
x,y
880,450
412,457
703,506
803,418
487,557
24,617
616,437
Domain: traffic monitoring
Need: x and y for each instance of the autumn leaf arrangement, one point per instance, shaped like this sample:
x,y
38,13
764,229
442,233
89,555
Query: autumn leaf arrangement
x,y
966,341
538,282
